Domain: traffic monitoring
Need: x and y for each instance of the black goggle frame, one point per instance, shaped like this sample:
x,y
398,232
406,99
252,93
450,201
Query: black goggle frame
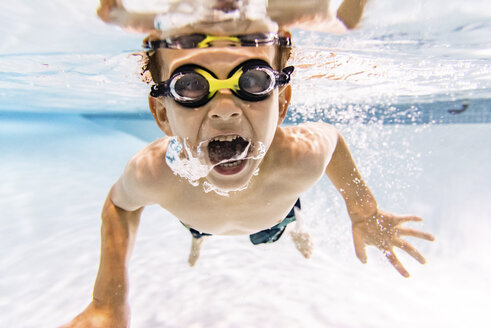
x,y
281,78
198,40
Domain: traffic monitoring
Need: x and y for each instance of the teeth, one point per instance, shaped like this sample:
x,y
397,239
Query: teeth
x,y
225,138
231,164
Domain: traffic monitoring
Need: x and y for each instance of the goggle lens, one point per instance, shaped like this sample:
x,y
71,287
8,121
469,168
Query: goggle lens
x,y
257,81
186,41
190,41
189,87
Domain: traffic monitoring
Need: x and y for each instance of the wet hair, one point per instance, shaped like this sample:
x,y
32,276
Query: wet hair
x,y
151,64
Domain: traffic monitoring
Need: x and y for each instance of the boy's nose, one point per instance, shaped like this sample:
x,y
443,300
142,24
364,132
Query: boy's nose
x,y
223,107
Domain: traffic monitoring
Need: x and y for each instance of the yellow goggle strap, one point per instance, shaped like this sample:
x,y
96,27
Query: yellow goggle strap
x,y
231,83
211,38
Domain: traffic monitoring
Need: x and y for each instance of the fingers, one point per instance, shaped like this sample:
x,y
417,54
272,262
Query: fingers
x,y
395,262
408,248
408,218
360,250
413,232
416,233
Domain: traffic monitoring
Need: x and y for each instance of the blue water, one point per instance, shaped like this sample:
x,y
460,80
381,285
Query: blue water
x,y
411,92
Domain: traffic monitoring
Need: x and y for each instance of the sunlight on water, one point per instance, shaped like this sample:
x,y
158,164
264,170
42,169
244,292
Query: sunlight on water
x,y
389,60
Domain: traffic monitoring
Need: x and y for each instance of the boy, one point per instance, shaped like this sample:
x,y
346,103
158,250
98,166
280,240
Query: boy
x,y
221,108
306,14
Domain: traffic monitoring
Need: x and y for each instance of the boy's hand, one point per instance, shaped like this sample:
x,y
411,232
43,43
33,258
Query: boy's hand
x,y
384,231
106,7
99,317
114,12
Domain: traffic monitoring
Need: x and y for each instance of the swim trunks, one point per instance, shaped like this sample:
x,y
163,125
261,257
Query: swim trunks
x,y
265,236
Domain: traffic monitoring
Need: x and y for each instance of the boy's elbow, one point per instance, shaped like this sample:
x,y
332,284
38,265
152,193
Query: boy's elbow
x,y
119,198
113,210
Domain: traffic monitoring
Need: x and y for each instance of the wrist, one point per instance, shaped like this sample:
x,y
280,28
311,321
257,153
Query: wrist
x,y
120,307
102,315
361,210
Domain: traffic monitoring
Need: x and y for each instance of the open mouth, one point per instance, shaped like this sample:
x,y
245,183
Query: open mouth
x,y
228,153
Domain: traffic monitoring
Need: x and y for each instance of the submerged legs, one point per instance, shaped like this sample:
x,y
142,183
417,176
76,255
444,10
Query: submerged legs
x,y
301,238
196,244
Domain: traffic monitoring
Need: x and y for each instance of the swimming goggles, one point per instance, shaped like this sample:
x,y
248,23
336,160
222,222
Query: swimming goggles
x,y
193,86
190,41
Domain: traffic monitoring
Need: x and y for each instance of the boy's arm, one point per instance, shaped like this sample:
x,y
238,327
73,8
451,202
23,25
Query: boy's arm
x,y
113,11
316,14
347,179
109,306
371,226
120,220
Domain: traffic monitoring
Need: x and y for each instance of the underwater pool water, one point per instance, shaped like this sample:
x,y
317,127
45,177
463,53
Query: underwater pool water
x,y
410,91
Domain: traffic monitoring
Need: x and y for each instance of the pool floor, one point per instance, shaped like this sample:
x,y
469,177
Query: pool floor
x,y
56,171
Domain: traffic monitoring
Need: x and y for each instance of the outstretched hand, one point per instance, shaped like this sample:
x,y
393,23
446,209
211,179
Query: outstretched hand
x,y
385,231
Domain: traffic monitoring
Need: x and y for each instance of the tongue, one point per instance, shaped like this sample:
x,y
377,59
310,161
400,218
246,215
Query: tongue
x,y
221,151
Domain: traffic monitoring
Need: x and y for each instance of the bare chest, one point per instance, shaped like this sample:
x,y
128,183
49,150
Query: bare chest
x,y
243,212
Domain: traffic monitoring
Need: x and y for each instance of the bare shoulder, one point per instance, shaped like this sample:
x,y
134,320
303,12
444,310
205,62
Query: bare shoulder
x,y
145,178
306,149
313,140
147,164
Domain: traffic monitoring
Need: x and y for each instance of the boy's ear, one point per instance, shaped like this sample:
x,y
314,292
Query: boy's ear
x,y
159,113
284,102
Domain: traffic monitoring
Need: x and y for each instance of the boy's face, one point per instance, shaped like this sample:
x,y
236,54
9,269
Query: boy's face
x,y
225,117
